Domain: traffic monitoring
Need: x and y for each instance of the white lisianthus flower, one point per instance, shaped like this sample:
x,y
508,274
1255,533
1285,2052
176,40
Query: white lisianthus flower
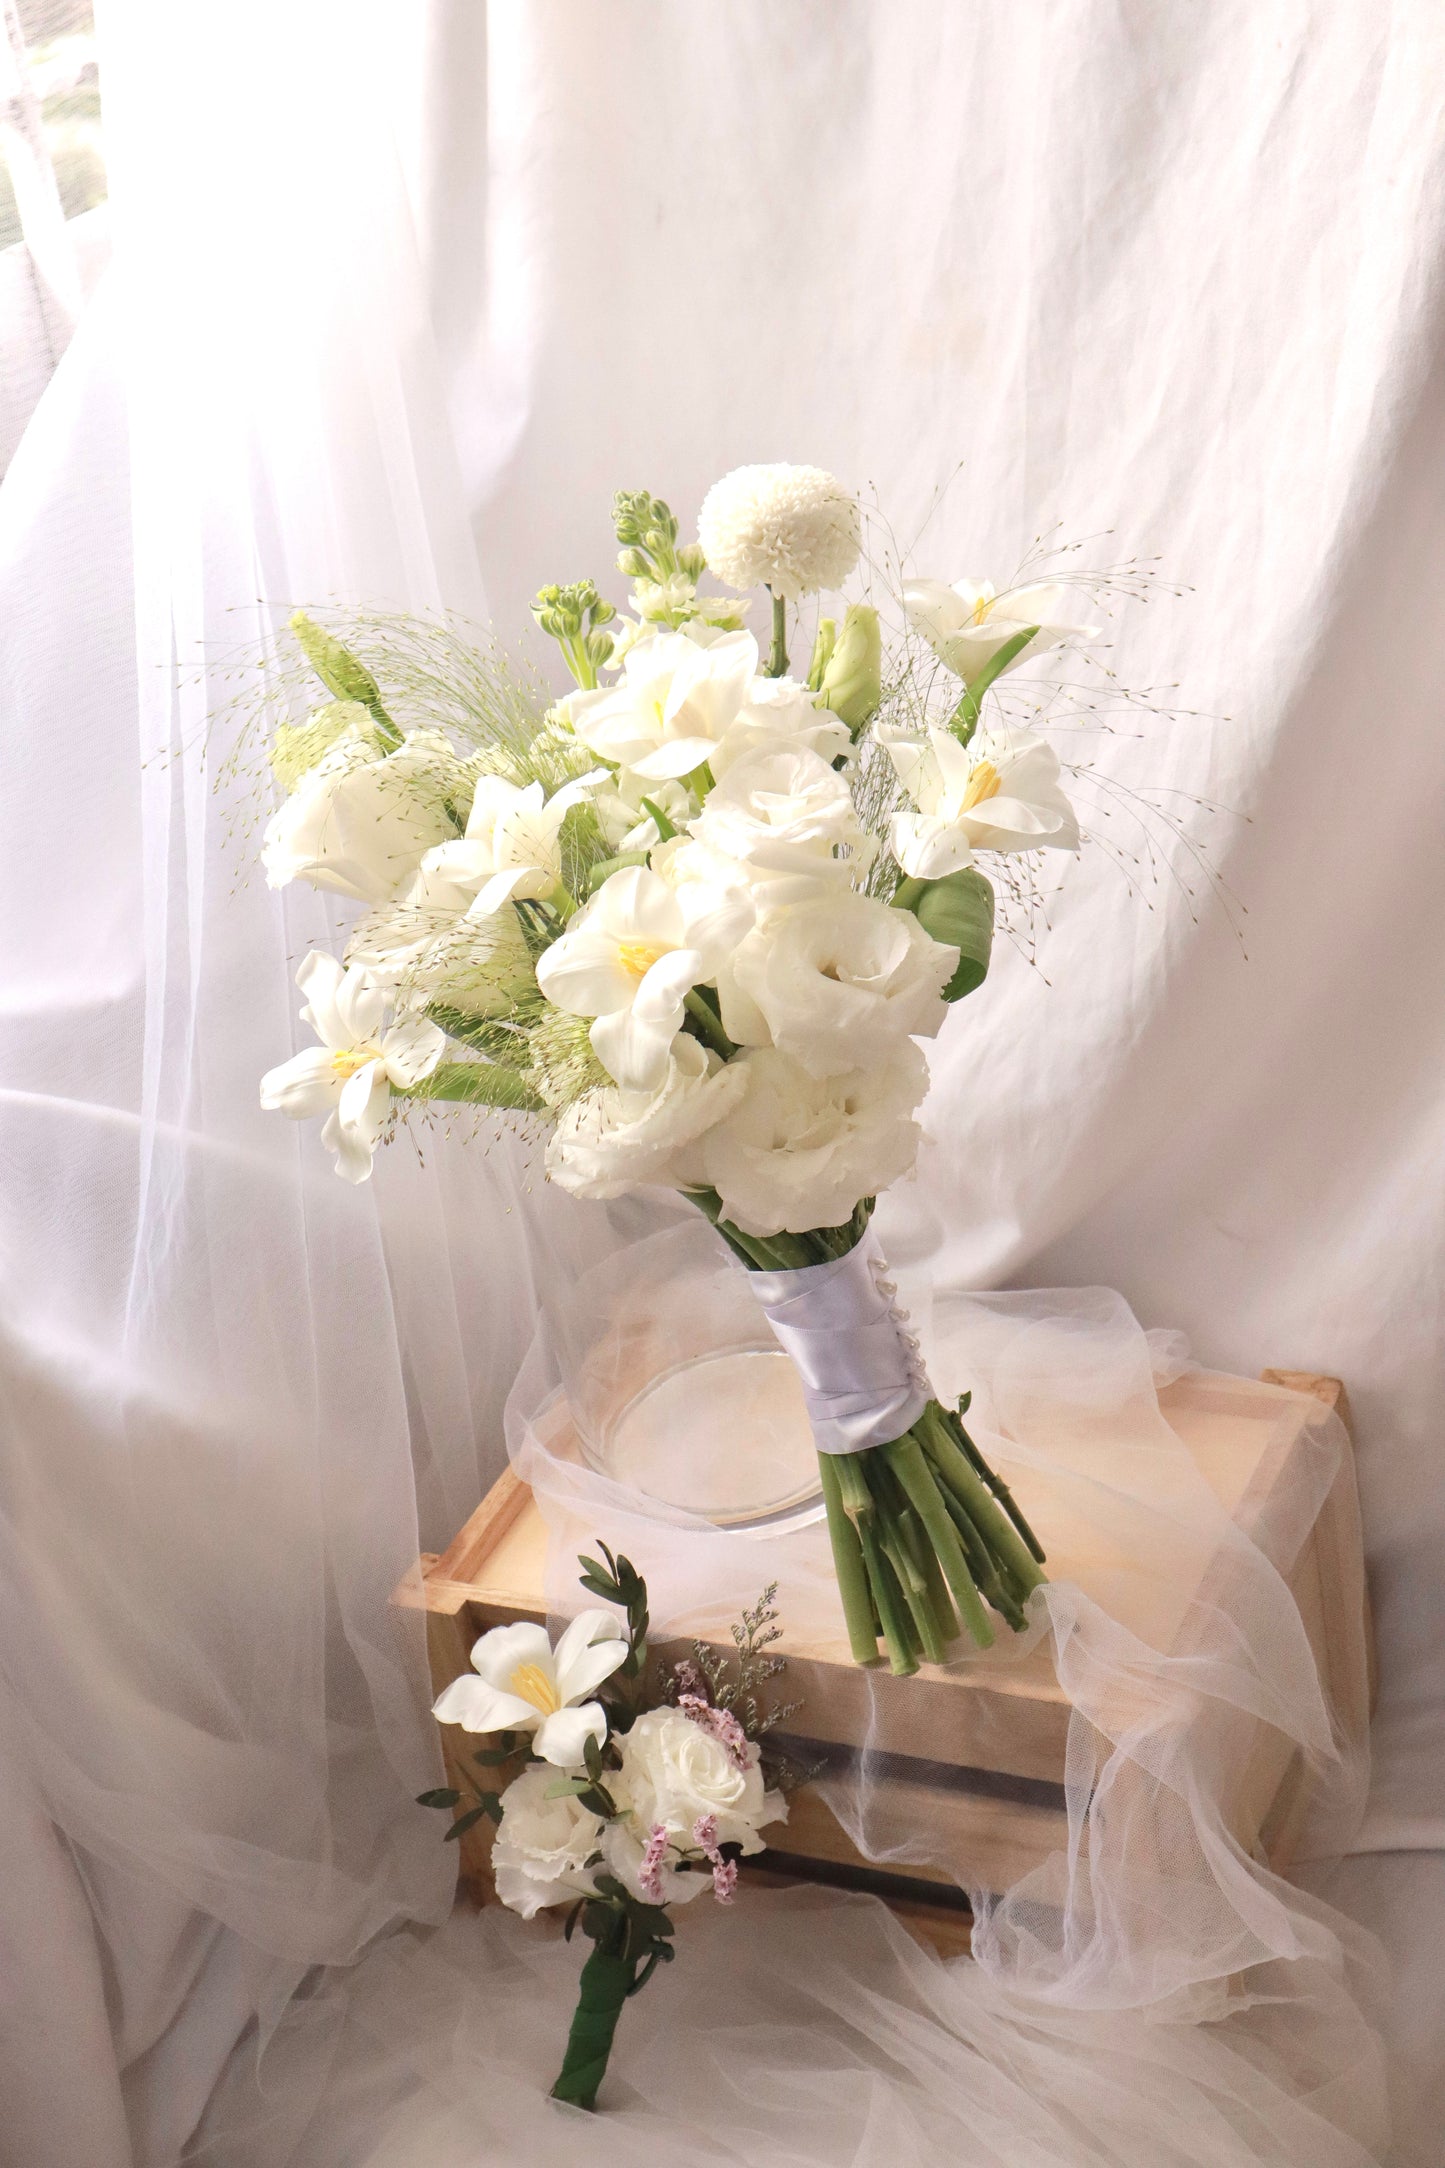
x,y
836,983
675,1774
522,1683
610,1140
799,1151
360,821
421,952
785,811
630,958
968,623
776,713
349,1077
511,849
1001,793
793,529
542,1846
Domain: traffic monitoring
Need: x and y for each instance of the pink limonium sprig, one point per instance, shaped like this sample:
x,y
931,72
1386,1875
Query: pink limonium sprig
x,y
724,1871
721,1723
649,1873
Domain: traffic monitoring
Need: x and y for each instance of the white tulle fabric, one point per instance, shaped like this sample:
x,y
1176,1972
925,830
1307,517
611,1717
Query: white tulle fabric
x,y
862,1375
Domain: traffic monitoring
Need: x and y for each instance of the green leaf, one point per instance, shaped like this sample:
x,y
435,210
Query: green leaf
x,y
665,827
568,1788
964,720
479,1083
493,1757
497,1041
604,868
958,910
437,1798
466,1821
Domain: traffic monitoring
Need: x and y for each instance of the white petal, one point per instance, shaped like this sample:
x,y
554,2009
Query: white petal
x,y
319,979
561,1739
476,1706
411,1049
302,1087
496,1656
589,1651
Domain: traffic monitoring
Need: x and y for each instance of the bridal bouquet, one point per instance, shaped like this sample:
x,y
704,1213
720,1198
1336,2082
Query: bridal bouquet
x,y
628,1800
698,915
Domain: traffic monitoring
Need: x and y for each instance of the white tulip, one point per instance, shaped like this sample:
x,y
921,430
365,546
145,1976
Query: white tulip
x,y
610,1141
674,1774
1001,793
349,1076
674,704
836,983
522,1683
360,821
799,1151
512,848
630,959
542,1846
784,814
968,623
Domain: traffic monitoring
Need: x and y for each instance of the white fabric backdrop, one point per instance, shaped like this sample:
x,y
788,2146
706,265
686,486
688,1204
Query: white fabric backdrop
x,y
1165,270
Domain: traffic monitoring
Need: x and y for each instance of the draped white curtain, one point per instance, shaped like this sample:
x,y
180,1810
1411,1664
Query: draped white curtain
x,y
400,296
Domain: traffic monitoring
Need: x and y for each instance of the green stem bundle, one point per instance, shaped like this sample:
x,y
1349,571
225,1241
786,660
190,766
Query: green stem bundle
x,y
926,1537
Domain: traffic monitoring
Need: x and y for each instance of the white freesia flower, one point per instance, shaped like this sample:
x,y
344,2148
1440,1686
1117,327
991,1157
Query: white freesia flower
x,y
785,811
836,983
610,1140
968,623
360,821
542,1846
794,529
512,847
675,1774
522,1683
799,1151
630,959
1001,793
349,1076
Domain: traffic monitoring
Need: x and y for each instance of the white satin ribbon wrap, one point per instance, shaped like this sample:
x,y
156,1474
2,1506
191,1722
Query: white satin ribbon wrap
x,y
863,1377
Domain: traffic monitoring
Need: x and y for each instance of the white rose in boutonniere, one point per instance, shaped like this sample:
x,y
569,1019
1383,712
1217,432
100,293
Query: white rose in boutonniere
x,y
968,623
793,529
609,1140
798,1151
677,1773
1001,793
523,1684
785,812
836,982
542,1846
361,819
630,959
350,1075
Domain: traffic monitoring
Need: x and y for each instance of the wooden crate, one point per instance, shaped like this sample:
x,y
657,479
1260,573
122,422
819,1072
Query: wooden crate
x,y
977,1752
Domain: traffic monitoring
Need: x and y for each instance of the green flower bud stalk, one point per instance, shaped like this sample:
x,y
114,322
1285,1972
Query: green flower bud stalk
x,y
340,672
299,746
823,647
852,681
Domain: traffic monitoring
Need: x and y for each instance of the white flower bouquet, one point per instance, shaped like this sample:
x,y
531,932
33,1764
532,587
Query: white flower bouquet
x,y
631,1798
698,915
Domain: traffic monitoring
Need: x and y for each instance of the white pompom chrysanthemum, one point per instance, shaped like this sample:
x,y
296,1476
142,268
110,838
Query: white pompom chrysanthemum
x,y
793,528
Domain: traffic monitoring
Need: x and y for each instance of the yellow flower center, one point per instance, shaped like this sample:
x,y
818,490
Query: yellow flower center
x,y
984,782
982,607
529,1682
348,1059
638,957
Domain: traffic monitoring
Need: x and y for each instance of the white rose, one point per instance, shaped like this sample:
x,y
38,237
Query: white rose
x,y
783,814
799,1151
542,1846
675,1774
836,983
360,821
610,1140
